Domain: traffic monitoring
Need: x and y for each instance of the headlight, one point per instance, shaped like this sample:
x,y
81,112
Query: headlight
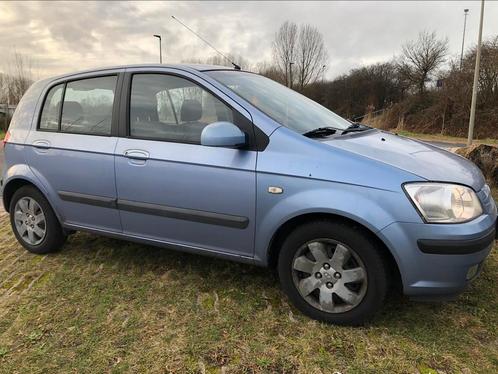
x,y
444,203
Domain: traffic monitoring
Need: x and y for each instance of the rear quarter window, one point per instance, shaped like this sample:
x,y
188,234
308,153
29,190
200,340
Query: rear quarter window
x,y
51,109
23,115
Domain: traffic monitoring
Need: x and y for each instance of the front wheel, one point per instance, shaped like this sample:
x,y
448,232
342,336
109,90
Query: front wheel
x,y
34,223
332,272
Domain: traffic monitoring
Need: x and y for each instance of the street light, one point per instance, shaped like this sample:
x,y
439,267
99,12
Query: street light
x,y
465,11
476,78
290,74
160,48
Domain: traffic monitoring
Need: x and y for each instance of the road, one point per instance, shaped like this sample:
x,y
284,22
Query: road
x,y
445,145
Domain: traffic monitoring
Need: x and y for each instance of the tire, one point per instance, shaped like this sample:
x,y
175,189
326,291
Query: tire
x,y
25,207
351,293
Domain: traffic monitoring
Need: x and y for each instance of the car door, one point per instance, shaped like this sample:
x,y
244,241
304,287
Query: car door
x,y
172,189
72,149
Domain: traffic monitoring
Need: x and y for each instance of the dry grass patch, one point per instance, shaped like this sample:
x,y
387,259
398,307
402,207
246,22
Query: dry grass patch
x,y
494,192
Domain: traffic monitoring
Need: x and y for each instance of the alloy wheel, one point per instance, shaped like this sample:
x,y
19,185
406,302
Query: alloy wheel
x,y
329,275
30,221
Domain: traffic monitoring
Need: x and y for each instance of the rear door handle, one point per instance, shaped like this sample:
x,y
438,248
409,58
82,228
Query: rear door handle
x,y
41,144
136,154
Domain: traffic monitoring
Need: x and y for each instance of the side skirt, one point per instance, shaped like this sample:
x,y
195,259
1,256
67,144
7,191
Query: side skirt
x,y
158,243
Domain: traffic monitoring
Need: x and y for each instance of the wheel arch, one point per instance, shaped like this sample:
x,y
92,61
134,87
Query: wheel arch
x,y
10,188
13,185
291,224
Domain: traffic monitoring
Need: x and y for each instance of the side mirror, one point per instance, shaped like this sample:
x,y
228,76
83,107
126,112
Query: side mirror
x,y
223,134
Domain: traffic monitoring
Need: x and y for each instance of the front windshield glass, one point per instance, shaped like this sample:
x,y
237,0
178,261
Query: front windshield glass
x,y
284,105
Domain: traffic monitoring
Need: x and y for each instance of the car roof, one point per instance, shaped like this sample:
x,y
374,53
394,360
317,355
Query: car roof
x,y
196,67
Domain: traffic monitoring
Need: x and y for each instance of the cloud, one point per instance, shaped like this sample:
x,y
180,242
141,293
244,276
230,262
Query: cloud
x,y
67,36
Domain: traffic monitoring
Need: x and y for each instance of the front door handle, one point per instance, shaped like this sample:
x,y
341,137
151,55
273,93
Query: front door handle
x,y
41,144
136,154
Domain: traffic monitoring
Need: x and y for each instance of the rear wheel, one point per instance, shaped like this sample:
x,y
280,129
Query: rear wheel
x,y
332,272
34,223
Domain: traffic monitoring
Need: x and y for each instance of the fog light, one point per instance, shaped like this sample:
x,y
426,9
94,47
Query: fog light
x,y
472,272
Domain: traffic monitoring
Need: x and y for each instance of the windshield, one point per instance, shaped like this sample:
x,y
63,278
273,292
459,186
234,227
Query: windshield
x,y
284,105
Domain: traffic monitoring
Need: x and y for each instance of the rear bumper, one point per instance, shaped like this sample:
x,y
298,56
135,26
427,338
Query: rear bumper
x,y
438,261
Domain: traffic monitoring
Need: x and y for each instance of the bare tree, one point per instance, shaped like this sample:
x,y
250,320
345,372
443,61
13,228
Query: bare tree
x,y
3,88
311,56
238,59
299,54
285,48
488,72
222,61
422,58
18,78
14,83
270,70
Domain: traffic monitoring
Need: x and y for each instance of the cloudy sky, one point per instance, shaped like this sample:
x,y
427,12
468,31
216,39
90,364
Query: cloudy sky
x,y
61,37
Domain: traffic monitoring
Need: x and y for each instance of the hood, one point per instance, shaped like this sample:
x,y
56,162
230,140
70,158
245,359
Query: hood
x,y
413,156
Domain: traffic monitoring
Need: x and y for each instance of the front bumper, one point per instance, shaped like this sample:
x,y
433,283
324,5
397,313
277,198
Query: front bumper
x,y
457,247
438,261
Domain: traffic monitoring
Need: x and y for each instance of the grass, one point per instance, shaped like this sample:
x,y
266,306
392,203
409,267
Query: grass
x,y
103,305
2,134
443,138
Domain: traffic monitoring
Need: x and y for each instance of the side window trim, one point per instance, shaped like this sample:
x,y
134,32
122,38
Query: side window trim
x,y
115,119
116,108
125,124
59,120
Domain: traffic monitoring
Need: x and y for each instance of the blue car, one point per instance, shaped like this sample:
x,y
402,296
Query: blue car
x,y
231,164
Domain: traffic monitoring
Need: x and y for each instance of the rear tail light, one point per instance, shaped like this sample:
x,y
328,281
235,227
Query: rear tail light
x,y
6,139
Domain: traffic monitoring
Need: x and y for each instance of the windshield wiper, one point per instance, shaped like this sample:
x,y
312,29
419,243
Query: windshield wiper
x,y
320,131
355,127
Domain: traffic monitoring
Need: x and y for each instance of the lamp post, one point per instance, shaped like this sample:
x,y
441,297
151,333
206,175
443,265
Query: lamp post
x,y
160,48
466,12
290,74
476,78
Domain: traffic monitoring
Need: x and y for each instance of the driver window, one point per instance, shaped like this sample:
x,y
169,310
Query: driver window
x,y
170,108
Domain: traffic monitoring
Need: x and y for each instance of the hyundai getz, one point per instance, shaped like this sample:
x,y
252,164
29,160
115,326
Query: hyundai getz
x,y
229,163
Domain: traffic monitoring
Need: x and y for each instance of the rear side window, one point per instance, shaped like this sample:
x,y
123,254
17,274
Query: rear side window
x,y
51,109
87,107
170,108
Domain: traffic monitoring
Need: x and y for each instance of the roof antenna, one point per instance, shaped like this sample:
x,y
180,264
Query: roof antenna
x,y
235,66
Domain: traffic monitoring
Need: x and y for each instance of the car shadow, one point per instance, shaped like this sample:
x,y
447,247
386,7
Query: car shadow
x,y
210,275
